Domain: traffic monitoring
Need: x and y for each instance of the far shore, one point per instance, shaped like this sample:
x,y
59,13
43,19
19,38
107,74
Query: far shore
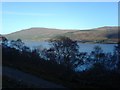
x,y
83,42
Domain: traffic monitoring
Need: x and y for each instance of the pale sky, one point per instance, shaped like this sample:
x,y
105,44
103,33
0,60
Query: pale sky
x,y
62,15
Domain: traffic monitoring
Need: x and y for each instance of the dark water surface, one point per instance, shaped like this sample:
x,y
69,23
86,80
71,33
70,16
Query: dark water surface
x,y
84,47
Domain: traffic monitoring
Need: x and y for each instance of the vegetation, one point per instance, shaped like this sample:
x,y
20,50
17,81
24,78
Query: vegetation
x,y
65,51
61,60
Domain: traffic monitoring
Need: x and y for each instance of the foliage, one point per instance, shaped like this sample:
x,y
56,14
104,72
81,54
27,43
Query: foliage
x,y
65,51
105,70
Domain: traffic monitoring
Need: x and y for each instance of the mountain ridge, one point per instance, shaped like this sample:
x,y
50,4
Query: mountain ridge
x,y
106,33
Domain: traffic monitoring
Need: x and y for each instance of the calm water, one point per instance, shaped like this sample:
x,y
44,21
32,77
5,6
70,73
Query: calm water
x,y
107,48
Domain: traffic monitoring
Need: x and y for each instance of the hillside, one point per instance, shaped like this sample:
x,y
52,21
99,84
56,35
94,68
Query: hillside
x,y
106,34
36,34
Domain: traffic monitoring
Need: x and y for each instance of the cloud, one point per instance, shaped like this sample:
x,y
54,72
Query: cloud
x,y
27,14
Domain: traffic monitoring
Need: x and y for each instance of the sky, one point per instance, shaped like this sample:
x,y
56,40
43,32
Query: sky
x,y
60,0
61,15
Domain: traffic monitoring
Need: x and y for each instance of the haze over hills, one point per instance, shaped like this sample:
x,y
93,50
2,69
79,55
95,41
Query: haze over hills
x,y
107,34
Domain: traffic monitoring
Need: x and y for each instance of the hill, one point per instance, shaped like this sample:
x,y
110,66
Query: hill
x,y
102,34
36,34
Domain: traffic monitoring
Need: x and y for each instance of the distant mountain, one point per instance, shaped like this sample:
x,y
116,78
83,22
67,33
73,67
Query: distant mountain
x,y
40,34
36,34
107,34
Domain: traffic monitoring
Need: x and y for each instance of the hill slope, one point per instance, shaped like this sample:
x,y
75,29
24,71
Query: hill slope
x,y
36,34
41,34
107,34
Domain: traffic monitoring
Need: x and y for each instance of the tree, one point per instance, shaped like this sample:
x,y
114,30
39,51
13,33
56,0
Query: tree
x,y
18,44
66,51
98,54
116,57
4,41
50,53
26,49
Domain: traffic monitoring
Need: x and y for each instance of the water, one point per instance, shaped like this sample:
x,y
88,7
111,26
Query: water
x,y
83,47
38,44
107,48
